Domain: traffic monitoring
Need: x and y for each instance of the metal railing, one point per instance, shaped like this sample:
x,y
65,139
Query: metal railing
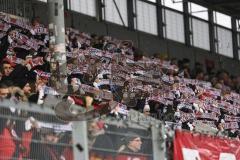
x,y
29,131
21,8
8,6
32,132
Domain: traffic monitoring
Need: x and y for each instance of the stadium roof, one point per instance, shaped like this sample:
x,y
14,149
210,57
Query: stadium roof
x,y
230,7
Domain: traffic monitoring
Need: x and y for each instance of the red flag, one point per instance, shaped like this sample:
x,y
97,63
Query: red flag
x,y
189,146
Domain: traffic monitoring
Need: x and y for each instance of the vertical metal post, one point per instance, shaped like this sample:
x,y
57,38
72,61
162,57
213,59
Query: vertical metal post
x,y
6,6
80,140
57,42
234,38
186,23
65,3
130,14
14,8
20,8
99,13
158,142
33,10
27,9
1,5
10,8
211,31
24,8
160,19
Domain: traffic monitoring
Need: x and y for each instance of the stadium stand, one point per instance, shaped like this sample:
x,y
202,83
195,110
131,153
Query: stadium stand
x,y
102,72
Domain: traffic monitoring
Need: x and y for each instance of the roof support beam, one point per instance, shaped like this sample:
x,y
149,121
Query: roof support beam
x,y
99,12
186,23
235,40
229,7
211,31
130,14
225,2
160,19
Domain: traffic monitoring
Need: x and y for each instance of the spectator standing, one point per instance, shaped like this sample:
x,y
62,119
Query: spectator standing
x,y
131,149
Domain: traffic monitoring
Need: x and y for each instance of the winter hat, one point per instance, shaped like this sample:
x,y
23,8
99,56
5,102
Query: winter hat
x,y
130,136
21,53
146,107
22,82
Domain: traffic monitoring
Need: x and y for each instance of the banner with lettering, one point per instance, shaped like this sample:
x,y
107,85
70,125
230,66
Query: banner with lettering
x,y
189,146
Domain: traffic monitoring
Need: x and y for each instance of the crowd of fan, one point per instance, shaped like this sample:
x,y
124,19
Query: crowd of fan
x,y
103,71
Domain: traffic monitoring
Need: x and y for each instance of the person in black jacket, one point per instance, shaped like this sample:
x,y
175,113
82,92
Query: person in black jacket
x,y
47,148
4,47
133,143
99,140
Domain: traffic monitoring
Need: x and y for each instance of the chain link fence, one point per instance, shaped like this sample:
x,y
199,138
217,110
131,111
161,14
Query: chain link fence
x,y
33,132
30,132
118,142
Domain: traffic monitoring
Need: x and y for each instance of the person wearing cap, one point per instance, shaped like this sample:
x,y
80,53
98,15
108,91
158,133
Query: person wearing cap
x,y
146,110
27,90
131,149
24,84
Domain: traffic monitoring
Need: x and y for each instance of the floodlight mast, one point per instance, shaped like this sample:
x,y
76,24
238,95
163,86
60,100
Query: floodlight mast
x,y
59,70
57,48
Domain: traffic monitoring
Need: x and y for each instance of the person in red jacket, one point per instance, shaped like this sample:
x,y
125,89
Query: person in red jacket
x,y
31,127
7,145
67,153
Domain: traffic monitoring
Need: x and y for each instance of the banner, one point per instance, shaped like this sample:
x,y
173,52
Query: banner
x,y
231,118
189,146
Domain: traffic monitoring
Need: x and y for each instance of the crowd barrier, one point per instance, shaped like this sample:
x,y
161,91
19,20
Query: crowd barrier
x,y
30,131
113,143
